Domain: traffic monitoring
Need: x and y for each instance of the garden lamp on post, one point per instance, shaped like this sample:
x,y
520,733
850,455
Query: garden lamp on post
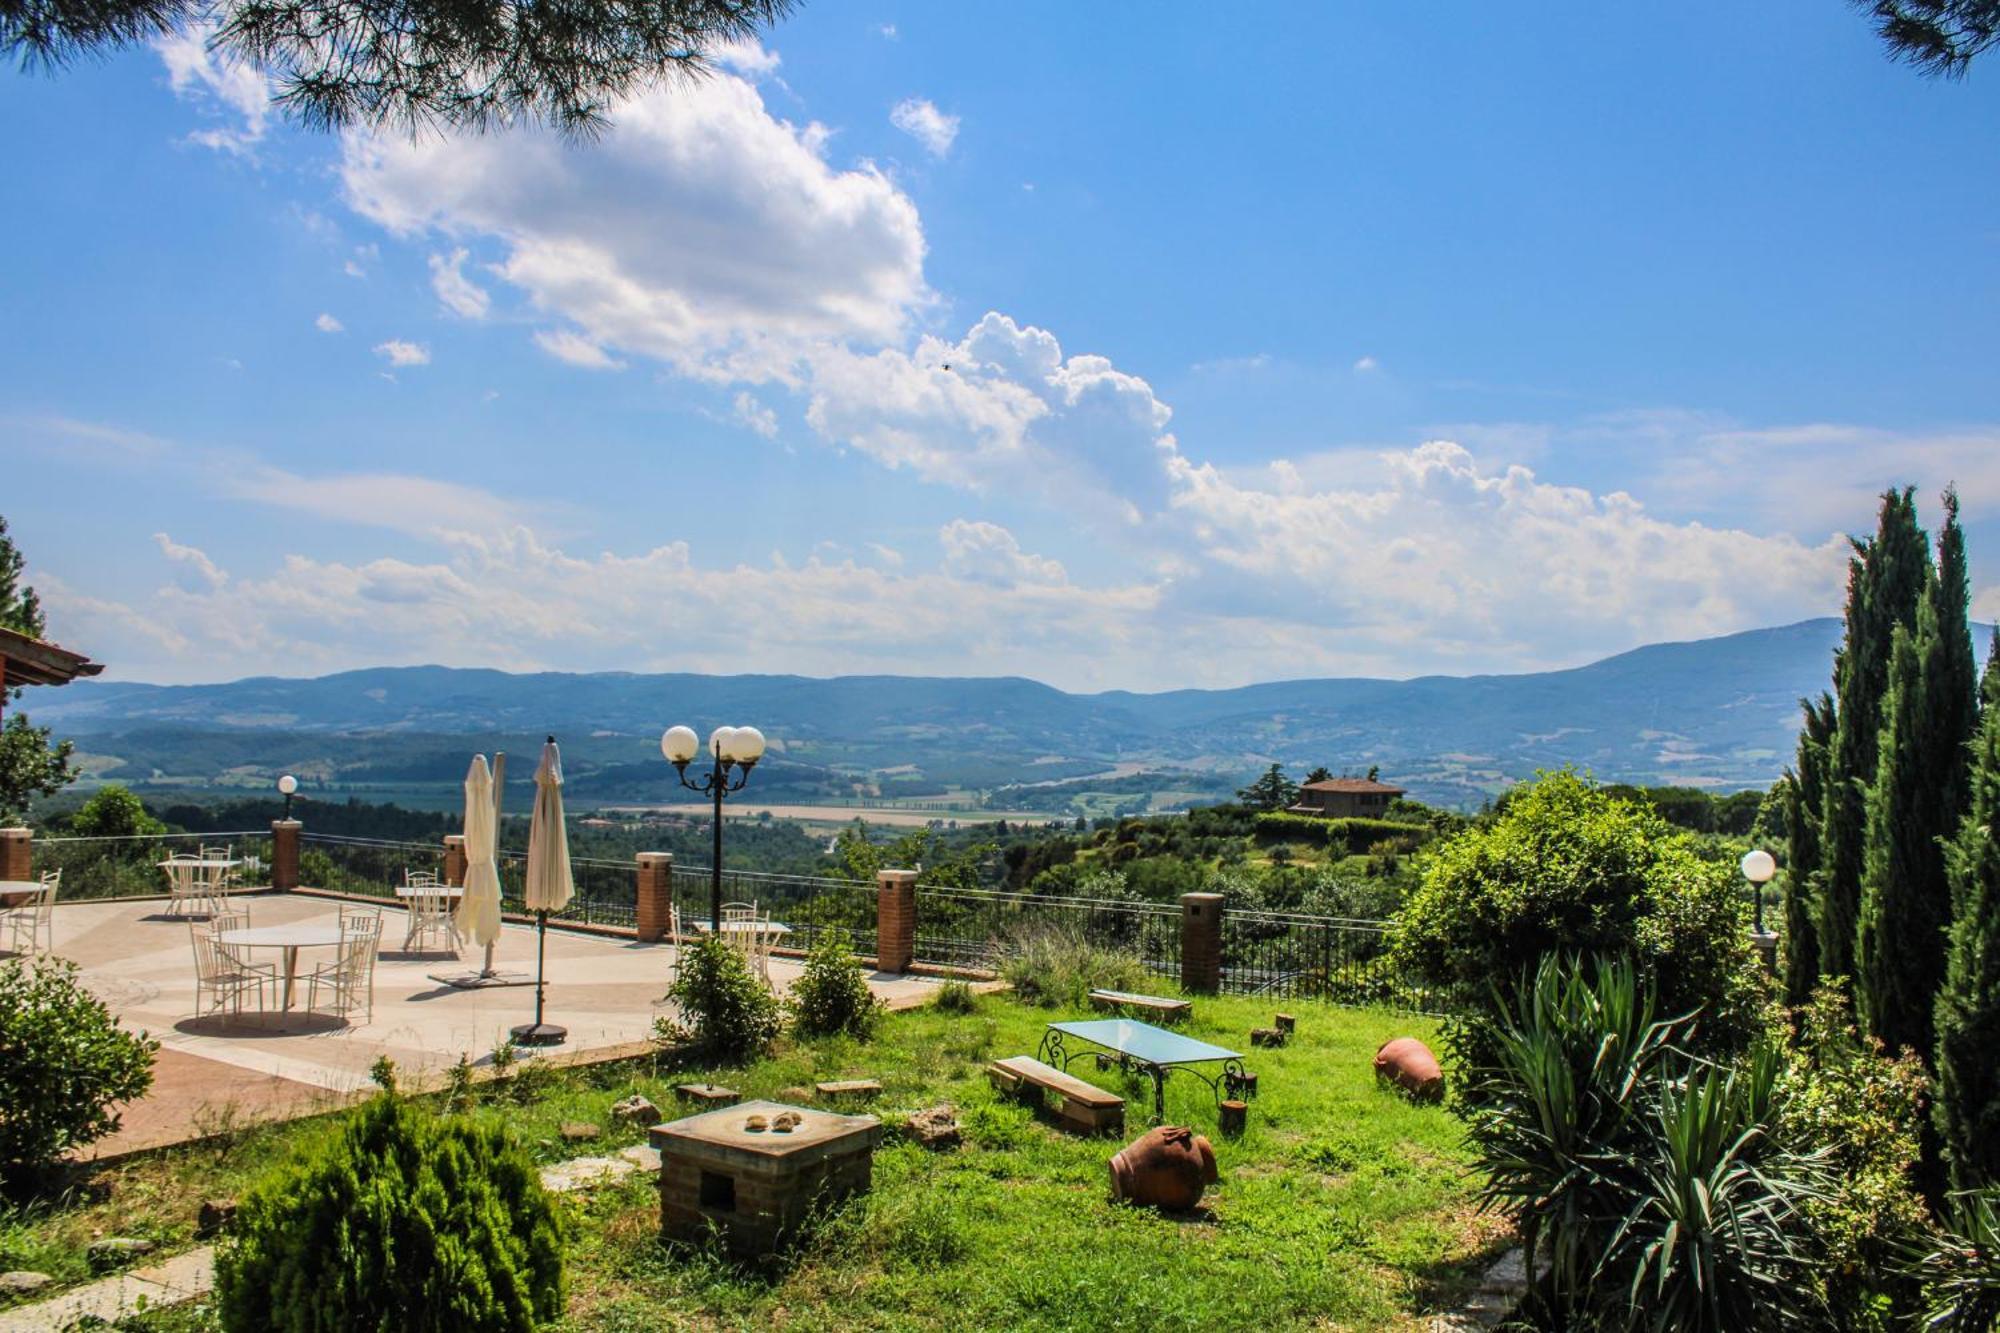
x,y
730,747
1758,867
286,786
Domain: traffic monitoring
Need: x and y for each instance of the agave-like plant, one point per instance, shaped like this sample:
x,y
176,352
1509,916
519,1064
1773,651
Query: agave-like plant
x,y
1644,1178
1960,1266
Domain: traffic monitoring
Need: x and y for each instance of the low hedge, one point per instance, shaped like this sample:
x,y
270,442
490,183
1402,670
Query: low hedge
x,y
1356,835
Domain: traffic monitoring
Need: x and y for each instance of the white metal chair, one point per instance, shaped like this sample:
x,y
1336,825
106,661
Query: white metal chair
x,y
759,946
219,924
417,879
185,887
220,976
214,883
430,917
33,921
350,977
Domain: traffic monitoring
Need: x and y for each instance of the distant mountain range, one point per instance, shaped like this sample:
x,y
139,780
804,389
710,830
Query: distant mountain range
x,y
1717,712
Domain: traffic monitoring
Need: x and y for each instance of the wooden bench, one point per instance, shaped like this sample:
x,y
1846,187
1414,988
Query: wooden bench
x,y
1088,1108
850,1087
1157,1005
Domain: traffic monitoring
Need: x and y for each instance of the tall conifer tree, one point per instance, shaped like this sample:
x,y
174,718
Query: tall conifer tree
x,y
1915,804
1968,1008
1804,797
1885,582
1989,684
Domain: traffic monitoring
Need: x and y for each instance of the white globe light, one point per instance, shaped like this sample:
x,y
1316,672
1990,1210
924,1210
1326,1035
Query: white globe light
x,y
1758,866
287,785
749,745
722,744
679,744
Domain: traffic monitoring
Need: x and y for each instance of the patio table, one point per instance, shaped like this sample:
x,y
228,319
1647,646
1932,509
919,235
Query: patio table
x,y
18,892
771,928
289,938
1153,1051
430,890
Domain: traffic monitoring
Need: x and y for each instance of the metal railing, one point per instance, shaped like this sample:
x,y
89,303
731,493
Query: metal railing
x,y
128,866
976,928
1338,959
809,904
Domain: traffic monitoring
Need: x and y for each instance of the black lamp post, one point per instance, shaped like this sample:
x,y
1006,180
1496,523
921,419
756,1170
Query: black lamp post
x,y
730,747
286,786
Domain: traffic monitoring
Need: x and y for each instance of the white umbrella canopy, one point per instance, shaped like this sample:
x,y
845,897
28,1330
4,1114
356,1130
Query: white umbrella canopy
x,y
550,884
478,915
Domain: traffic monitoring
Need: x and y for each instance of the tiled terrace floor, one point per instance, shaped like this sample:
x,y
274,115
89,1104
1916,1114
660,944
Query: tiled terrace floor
x,y
607,992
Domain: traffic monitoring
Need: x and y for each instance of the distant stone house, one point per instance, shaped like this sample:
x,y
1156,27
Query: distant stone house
x,y
1346,798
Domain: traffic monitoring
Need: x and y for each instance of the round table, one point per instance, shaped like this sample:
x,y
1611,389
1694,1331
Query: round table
x,y
289,938
430,891
18,892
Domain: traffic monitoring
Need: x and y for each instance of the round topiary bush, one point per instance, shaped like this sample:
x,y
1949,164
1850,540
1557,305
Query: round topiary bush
x,y
64,1063
405,1223
726,1010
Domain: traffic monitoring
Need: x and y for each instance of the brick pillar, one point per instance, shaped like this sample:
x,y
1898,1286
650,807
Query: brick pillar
x,y
454,859
1201,943
895,919
656,895
17,854
285,853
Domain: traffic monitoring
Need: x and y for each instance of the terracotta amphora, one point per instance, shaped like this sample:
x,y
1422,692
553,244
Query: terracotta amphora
x,y
1166,1167
1409,1064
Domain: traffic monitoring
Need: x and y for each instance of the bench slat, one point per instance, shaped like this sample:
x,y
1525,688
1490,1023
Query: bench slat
x,y
1031,1070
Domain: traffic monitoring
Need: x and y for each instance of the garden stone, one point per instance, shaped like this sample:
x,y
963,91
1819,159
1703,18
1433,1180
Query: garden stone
x,y
215,1214
23,1282
115,1250
639,1110
576,1131
936,1127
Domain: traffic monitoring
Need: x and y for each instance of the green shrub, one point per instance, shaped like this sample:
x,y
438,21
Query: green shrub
x,y
956,997
1959,1265
1057,966
1861,1113
1352,834
64,1064
1568,868
831,994
1651,1180
725,1009
404,1222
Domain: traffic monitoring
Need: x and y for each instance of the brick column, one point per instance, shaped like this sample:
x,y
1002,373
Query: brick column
x,y
17,854
285,853
656,895
454,859
895,919
1201,942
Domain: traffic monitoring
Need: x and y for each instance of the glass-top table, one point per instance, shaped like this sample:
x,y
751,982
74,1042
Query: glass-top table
x,y
1152,1051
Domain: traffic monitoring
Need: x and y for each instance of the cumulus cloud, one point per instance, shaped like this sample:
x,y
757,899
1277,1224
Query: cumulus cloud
x,y
747,56
204,570
328,324
988,553
456,292
701,230
919,118
399,353
1367,365
228,88
571,346
754,416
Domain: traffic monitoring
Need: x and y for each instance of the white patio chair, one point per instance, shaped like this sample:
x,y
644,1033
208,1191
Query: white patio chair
x,y
32,923
418,879
760,947
185,886
356,917
213,883
220,980
430,918
221,923
350,977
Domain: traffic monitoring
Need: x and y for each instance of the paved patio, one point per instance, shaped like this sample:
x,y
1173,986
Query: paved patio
x,y
221,1069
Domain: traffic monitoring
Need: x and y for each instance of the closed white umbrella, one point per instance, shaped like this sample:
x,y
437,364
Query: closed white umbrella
x,y
478,915
550,884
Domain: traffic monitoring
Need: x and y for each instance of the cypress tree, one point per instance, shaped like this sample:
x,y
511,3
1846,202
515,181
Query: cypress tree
x,y
1989,684
1803,792
1885,581
1915,804
1967,1113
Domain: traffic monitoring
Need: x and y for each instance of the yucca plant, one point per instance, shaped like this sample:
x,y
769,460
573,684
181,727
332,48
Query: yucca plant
x,y
1645,1179
1960,1265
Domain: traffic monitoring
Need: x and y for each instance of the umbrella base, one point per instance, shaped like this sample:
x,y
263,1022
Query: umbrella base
x,y
481,980
540,1034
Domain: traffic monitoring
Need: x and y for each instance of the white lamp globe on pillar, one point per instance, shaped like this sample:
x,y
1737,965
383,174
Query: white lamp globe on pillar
x,y
1758,867
728,747
286,786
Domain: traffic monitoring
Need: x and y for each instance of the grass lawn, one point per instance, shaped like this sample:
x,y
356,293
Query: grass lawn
x,y
1341,1207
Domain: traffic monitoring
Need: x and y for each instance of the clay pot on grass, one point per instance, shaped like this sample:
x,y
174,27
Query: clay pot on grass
x,y
1409,1064
1167,1167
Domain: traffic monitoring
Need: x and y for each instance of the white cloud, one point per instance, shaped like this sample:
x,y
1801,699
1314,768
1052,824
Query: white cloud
x,y
419,506
328,324
1367,365
204,570
890,557
571,346
458,293
888,30
399,353
987,553
229,87
747,56
753,415
919,118
700,230
353,270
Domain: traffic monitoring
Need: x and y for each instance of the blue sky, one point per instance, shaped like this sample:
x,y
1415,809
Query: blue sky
x,y
1374,342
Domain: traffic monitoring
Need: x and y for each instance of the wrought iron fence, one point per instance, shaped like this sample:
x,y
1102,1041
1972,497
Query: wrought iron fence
x,y
119,867
1338,959
976,928
808,904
